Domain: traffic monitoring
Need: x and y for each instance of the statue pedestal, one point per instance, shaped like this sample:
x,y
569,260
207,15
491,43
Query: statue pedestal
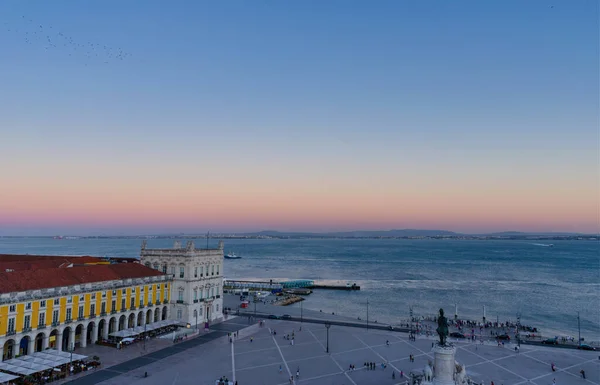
x,y
444,365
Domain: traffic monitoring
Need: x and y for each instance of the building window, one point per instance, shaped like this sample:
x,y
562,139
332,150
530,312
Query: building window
x,y
141,302
181,271
150,297
93,309
70,299
69,316
43,304
55,316
147,264
142,288
164,268
195,294
80,312
218,269
202,271
217,290
28,306
11,325
81,298
180,295
27,322
132,302
12,308
217,308
114,292
200,293
56,301
123,303
104,294
113,305
173,271
195,271
179,314
212,270
42,319
165,294
103,308
123,291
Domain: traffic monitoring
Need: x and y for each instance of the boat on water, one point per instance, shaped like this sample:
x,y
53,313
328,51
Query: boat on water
x,y
232,256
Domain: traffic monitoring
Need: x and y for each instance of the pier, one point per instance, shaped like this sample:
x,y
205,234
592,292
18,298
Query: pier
x,y
298,284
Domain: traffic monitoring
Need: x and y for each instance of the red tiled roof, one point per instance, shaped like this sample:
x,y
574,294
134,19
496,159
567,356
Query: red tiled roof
x,y
22,280
34,262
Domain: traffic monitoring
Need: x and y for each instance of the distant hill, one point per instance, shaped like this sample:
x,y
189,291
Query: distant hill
x,y
354,234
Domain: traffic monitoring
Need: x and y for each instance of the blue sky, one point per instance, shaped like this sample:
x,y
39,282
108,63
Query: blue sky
x,y
335,94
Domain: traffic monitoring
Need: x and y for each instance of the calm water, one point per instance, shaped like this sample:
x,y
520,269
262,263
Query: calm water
x,y
547,285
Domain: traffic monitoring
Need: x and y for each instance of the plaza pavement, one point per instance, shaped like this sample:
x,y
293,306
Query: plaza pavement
x,y
204,359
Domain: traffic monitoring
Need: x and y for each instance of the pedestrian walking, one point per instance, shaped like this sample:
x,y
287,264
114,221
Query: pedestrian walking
x,y
393,375
582,372
279,368
298,374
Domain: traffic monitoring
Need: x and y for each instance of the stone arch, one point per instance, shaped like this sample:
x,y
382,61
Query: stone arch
x,y
9,350
122,322
79,333
112,325
24,345
149,316
101,326
140,318
164,313
131,320
156,314
66,338
39,342
91,332
53,339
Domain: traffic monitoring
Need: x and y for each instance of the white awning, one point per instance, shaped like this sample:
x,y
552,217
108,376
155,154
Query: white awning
x,y
141,329
38,360
4,377
16,369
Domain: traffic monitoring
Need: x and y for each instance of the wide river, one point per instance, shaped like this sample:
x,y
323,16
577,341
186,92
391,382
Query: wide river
x,y
547,285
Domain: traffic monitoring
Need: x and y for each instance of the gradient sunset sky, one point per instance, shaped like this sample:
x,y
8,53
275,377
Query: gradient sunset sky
x,y
471,116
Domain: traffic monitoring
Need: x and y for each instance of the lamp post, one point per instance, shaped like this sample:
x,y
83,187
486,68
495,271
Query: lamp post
x,y
411,320
519,329
196,315
579,329
301,311
145,337
367,314
327,326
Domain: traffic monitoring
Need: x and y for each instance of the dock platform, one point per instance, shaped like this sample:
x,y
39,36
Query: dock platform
x,y
336,287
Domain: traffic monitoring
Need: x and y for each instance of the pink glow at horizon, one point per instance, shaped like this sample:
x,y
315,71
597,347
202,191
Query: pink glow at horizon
x,y
297,208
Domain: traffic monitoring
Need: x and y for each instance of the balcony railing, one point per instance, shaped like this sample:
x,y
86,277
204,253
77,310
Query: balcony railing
x,y
179,301
150,303
218,295
195,301
113,312
157,302
93,315
102,314
11,332
142,306
132,308
165,301
41,326
80,318
55,324
27,329
68,320
123,310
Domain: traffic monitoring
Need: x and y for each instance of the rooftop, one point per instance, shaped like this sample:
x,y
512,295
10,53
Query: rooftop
x,y
34,272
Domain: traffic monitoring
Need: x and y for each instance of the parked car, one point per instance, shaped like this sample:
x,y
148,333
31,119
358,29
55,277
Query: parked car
x,y
273,316
457,335
550,341
586,347
286,316
503,337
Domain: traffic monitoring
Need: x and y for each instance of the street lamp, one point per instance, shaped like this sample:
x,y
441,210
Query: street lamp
x,y
519,329
301,311
327,326
367,314
196,315
579,329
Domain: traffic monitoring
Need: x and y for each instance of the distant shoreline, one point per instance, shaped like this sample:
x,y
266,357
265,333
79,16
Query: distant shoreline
x,y
325,237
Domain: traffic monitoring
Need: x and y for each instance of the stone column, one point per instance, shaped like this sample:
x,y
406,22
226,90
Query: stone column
x,y
444,365
58,341
31,346
45,341
94,338
105,330
83,338
143,318
71,344
14,350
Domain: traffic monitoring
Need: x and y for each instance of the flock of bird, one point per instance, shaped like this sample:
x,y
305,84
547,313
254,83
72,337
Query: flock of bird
x,y
51,38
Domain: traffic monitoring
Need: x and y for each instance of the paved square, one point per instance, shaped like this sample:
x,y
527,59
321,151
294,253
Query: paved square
x,y
256,355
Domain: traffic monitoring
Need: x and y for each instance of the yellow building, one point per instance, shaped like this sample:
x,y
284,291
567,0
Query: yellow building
x,y
62,302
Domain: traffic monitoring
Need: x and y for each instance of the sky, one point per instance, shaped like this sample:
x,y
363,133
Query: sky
x,y
188,116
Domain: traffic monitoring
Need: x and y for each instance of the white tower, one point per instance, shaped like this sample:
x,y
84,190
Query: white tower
x,y
197,286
